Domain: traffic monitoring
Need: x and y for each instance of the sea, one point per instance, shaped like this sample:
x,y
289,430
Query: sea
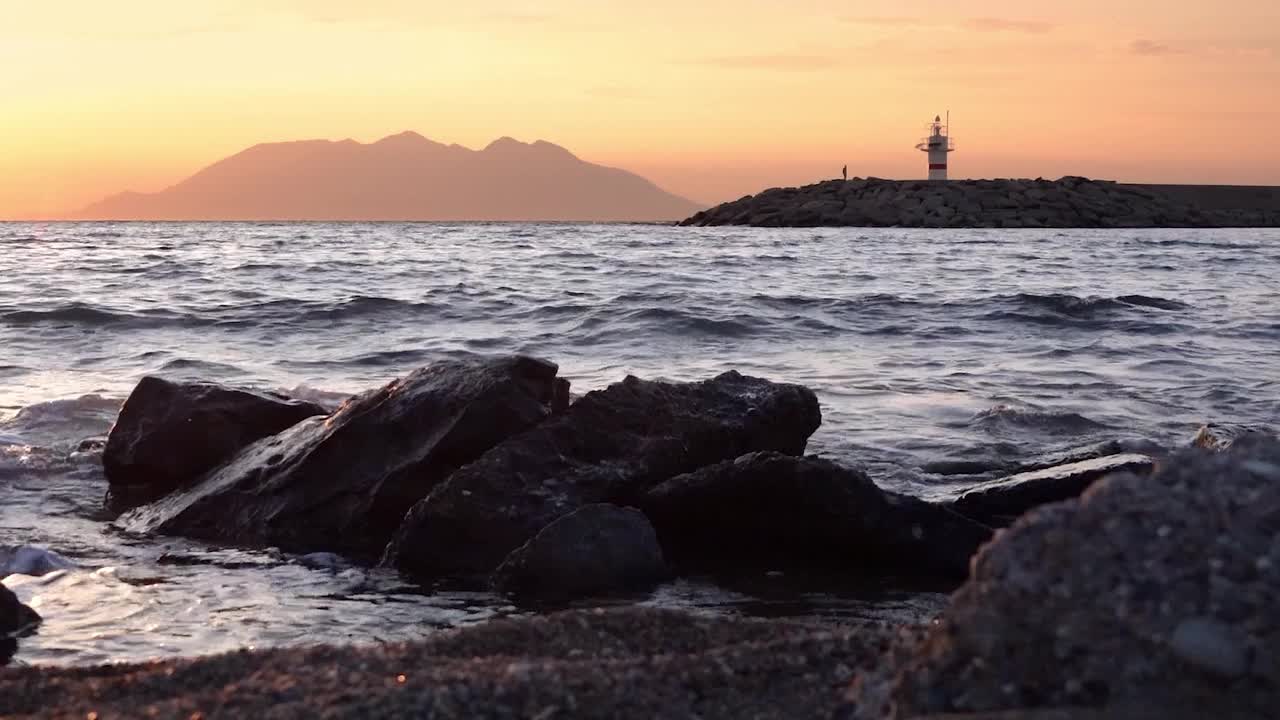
x,y
941,358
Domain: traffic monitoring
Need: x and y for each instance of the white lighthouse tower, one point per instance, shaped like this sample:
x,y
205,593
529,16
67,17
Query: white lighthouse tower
x,y
937,145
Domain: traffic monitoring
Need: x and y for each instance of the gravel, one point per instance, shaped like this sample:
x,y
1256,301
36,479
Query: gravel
x,y
618,663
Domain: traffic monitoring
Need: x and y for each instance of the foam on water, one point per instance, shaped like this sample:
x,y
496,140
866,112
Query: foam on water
x,y
938,356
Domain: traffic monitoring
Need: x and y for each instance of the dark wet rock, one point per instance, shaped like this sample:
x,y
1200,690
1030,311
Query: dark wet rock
x,y
1217,437
594,549
1156,590
770,511
14,616
169,434
954,467
1001,502
996,460
343,483
1073,454
610,446
561,397
1069,202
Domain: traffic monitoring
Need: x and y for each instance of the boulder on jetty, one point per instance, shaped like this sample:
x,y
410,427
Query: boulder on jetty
x,y
1071,202
1155,591
595,549
168,434
611,446
776,512
343,483
14,616
1000,502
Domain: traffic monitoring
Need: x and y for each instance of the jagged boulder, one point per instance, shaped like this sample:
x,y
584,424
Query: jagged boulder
x,y
344,482
1158,591
610,446
594,549
1000,502
776,512
168,434
14,616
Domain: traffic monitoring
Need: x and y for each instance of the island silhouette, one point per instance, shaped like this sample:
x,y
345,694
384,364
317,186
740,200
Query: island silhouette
x,y
401,177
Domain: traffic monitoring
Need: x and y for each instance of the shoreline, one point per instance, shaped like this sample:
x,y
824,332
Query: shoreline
x,y
1014,642
616,663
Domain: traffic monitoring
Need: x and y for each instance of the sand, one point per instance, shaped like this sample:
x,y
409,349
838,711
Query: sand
x,y
617,663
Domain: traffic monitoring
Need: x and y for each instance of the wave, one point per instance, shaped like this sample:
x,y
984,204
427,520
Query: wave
x,y
313,310
60,422
390,358
82,314
86,315
1158,303
197,368
1082,307
1008,417
629,325
872,301
31,561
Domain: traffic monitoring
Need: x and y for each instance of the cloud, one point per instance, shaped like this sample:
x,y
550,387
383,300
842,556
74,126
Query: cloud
x,y
988,24
791,63
1150,48
891,21
615,92
397,13
522,18
979,24
211,28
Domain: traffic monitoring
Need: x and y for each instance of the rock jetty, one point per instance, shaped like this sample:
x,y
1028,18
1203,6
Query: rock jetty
x,y
1070,202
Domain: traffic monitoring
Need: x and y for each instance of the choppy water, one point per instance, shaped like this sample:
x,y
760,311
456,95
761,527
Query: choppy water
x,y
987,347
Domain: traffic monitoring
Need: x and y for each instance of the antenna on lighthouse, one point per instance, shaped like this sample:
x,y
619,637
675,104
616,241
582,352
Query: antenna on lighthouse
x,y
938,144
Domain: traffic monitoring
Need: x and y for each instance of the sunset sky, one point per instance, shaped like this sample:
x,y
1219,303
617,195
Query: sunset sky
x,y
711,99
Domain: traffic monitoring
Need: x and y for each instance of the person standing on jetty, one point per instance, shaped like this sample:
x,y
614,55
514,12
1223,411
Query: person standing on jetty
x,y
844,172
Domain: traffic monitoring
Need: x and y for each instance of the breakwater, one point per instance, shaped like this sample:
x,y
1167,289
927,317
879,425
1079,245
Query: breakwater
x,y
1070,202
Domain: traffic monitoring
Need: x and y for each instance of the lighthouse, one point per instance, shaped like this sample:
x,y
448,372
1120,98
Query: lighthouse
x,y
937,145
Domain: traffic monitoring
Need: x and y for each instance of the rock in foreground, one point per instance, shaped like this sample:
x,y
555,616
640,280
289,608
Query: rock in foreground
x,y
168,434
14,616
1068,202
344,482
634,663
595,549
1158,591
611,446
775,512
999,503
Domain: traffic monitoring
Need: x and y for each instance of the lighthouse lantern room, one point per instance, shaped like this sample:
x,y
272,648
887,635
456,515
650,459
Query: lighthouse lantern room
x,y
938,144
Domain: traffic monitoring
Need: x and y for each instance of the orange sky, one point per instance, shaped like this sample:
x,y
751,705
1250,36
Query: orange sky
x,y
710,98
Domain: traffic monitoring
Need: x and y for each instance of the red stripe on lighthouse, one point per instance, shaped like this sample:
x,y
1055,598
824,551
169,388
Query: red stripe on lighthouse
x,y
937,166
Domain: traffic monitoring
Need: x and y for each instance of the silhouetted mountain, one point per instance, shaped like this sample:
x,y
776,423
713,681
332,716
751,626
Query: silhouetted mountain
x,y
401,177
